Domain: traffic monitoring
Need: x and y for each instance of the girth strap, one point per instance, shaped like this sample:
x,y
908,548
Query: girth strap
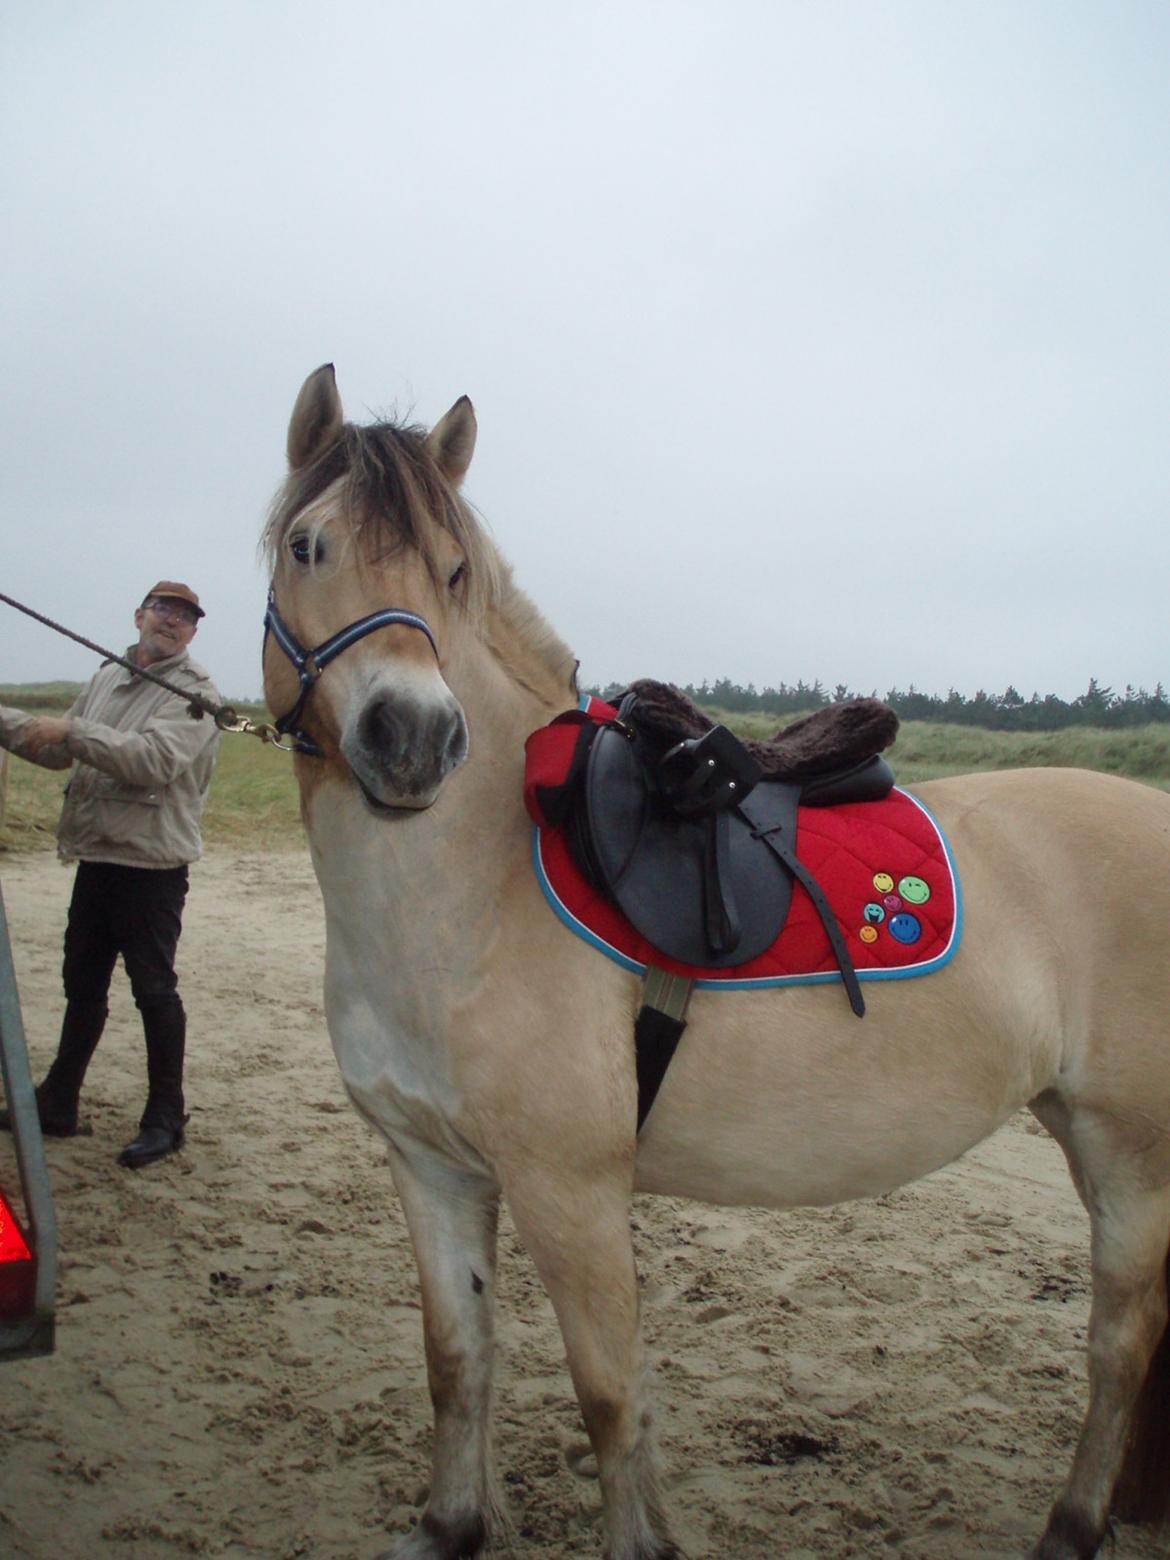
x,y
657,1032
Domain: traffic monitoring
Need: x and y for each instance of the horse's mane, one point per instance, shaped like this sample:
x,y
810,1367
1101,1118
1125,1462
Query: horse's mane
x,y
395,496
520,630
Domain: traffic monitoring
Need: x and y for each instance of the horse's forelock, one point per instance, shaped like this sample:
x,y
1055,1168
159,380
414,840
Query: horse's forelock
x,y
393,496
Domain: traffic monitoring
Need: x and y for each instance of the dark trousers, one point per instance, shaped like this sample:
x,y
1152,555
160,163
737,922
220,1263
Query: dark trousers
x,y
136,912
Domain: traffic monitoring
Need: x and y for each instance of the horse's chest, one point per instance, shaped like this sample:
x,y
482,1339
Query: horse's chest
x,y
404,965
396,1074
391,1003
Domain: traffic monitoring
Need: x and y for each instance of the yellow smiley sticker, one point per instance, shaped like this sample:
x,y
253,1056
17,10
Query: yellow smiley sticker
x,y
883,882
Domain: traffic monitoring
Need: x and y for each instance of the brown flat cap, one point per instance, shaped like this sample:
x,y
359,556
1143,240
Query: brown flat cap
x,y
178,592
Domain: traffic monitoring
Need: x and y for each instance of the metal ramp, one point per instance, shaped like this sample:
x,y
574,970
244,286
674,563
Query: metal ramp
x,y
28,1257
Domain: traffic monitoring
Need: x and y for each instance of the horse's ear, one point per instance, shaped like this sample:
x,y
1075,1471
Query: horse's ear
x,y
316,418
451,441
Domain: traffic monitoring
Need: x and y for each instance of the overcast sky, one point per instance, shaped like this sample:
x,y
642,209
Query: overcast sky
x,y
819,340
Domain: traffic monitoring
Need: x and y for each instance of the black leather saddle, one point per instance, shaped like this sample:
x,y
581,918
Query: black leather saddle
x,y
695,845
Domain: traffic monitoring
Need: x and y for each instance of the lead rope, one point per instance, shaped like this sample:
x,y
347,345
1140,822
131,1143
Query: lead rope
x,y
224,716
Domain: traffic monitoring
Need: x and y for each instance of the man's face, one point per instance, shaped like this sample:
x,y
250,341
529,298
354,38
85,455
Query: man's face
x,y
165,626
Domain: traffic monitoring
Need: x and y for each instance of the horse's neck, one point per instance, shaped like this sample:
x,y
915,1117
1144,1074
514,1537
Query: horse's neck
x,y
425,892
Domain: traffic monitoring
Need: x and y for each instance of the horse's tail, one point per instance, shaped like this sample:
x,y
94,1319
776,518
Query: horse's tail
x,y
1143,1488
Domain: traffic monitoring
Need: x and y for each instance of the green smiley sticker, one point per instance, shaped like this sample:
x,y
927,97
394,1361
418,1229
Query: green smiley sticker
x,y
914,889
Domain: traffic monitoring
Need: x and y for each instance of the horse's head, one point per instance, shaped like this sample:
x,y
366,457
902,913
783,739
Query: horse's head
x,y
375,561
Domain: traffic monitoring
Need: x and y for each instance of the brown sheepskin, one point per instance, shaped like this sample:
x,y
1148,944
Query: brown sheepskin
x,y
832,738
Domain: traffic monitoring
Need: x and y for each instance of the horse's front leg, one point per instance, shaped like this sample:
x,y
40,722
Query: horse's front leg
x,y
452,1214
578,1234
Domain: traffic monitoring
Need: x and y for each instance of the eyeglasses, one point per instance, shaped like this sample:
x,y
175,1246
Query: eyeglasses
x,y
173,612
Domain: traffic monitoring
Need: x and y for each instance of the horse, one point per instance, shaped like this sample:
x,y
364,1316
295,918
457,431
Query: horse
x,y
493,1050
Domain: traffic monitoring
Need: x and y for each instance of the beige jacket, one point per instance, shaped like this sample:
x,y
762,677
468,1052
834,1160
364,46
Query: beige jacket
x,y
141,766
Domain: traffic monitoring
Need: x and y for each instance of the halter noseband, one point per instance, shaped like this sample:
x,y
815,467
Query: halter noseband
x,y
311,663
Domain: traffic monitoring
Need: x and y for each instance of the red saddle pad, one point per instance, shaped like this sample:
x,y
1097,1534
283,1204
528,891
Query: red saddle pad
x,y
885,867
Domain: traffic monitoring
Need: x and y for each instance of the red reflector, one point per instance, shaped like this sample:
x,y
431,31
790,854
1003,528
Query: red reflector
x,y
18,1270
13,1246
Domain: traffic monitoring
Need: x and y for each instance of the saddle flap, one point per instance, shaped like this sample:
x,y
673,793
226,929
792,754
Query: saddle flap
x,y
554,761
657,864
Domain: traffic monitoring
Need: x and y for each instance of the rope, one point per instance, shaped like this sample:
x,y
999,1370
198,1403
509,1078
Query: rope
x,y
223,715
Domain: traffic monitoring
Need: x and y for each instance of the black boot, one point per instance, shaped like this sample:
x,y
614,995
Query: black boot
x,y
57,1096
151,1143
161,1128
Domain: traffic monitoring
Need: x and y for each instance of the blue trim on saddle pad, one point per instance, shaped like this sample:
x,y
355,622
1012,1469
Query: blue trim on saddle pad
x,y
563,913
817,978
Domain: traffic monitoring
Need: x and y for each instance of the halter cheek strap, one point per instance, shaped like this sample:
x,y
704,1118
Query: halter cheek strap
x,y
310,664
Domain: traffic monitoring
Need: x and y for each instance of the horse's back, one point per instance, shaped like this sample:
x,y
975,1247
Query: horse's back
x,y
1072,797
1072,859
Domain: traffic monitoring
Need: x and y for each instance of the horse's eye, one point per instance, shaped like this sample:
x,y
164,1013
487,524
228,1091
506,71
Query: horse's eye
x,y
303,549
458,574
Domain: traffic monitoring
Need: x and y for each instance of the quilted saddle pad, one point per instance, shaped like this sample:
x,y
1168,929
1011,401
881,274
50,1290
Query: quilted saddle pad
x,y
885,867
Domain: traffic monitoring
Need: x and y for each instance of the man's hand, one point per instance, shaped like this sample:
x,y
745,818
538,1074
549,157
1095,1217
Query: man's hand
x,y
44,731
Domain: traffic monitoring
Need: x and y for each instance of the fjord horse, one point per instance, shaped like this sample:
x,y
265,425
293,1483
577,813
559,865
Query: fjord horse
x,y
494,1050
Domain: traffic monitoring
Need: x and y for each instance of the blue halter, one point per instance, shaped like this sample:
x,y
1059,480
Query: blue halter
x,y
311,663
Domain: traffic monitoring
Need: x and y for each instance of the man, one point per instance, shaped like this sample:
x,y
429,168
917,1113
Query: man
x,y
141,768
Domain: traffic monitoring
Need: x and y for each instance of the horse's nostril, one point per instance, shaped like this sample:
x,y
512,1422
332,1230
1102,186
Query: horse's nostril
x,y
381,728
455,747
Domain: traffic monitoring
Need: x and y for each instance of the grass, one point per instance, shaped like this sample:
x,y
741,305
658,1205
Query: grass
x,y
254,804
49,698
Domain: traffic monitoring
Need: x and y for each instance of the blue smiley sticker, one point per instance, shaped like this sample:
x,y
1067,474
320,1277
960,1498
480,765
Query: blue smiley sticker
x,y
905,928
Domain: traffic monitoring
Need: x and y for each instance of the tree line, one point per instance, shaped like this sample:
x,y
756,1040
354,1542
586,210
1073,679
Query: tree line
x,y
1007,711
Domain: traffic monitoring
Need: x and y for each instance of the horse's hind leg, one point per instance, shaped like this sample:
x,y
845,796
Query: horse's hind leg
x,y
1122,1171
578,1235
452,1215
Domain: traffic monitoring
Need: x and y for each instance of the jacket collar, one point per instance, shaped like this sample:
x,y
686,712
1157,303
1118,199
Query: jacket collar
x,y
172,663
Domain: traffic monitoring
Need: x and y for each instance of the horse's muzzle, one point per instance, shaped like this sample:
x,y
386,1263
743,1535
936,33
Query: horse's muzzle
x,y
401,749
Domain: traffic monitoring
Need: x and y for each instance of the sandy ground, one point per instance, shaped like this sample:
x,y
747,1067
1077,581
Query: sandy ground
x,y
239,1364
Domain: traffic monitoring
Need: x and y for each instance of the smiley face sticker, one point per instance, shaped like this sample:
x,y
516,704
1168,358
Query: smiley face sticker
x,y
905,928
883,882
914,890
